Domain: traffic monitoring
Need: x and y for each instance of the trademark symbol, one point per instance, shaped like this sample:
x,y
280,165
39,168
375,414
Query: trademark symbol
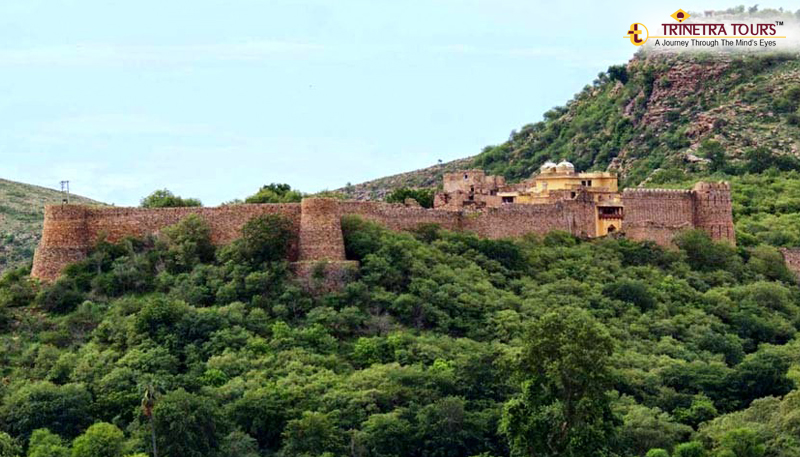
x,y
778,22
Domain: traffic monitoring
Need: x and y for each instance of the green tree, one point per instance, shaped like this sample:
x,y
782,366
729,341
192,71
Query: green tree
x,y
422,196
743,442
100,440
759,159
165,199
8,446
692,449
239,444
314,433
564,409
188,243
631,291
265,238
44,443
704,254
715,153
657,453
263,414
386,435
275,193
62,409
187,425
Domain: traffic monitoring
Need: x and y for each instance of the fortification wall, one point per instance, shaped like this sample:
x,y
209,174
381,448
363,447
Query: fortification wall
x,y
657,214
576,217
400,217
713,211
650,214
320,231
71,230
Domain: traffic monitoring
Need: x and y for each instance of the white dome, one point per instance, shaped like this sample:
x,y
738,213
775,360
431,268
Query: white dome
x,y
548,166
565,166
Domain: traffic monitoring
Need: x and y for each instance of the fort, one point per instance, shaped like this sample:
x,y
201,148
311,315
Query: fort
x,y
584,204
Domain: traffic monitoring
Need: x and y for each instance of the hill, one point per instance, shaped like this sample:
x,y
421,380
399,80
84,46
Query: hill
x,y
649,118
445,344
21,217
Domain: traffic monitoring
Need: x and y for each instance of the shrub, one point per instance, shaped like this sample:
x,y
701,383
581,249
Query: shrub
x,y
631,291
275,193
188,243
44,443
264,239
187,425
703,254
100,440
9,447
63,409
693,449
62,296
165,199
657,453
422,196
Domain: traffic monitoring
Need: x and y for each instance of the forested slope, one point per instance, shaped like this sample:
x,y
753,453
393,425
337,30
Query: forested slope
x,y
445,345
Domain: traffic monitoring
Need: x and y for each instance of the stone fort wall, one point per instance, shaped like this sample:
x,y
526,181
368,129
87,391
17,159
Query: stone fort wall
x,y
71,230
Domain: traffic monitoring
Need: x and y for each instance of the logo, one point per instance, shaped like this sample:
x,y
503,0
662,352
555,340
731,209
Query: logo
x,y
697,35
638,34
680,15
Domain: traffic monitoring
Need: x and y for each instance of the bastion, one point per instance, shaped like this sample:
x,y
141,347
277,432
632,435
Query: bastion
x,y
70,231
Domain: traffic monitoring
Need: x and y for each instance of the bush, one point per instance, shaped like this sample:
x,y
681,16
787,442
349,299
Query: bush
x,y
693,449
264,239
704,254
187,425
312,434
62,296
275,193
44,443
631,291
618,73
9,447
63,409
17,289
188,243
657,453
165,199
422,196
100,440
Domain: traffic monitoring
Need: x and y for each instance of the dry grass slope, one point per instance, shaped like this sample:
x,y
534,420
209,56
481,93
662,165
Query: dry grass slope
x,y
21,216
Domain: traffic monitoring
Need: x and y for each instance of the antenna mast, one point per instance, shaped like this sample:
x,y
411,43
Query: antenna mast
x,y
65,192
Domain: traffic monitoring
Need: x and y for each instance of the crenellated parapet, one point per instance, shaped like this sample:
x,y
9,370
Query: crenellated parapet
x,y
658,214
713,210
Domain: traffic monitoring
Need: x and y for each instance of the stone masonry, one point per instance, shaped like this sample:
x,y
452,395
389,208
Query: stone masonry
x,y
71,230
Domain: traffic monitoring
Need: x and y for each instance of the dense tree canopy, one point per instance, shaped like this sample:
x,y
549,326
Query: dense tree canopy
x,y
444,345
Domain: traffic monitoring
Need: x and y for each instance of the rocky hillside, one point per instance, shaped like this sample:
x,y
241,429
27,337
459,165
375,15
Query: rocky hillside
x,y
21,215
650,118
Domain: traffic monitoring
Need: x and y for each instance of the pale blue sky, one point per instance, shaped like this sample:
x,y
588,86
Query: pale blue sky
x,y
212,99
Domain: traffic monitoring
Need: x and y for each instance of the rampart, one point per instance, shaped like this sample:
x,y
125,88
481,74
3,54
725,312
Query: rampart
x,y
658,214
70,231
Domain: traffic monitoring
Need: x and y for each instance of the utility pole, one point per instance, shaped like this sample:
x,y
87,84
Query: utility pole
x,y
65,192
